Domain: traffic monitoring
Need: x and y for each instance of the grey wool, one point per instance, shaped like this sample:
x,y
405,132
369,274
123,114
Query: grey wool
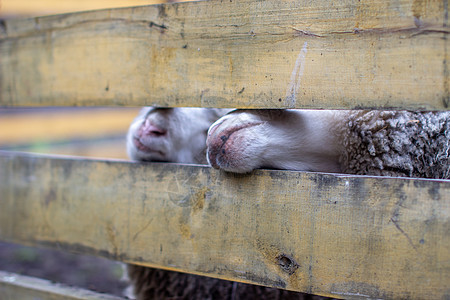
x,y
151,283
397,143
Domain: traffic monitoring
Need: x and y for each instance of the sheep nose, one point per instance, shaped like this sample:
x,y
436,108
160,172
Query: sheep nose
x,y
150,129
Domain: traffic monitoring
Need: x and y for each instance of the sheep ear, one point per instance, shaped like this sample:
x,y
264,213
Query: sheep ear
x,y
232,110
143,113
218,113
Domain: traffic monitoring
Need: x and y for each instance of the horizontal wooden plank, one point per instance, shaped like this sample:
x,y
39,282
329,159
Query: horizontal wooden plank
x,y
15,286
266,54
45,7
328,234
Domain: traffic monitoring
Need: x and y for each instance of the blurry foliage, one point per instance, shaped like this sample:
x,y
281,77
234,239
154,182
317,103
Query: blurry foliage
x,y
25,254
94,132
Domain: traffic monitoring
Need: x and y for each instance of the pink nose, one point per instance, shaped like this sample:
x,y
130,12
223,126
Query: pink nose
x,y
150,129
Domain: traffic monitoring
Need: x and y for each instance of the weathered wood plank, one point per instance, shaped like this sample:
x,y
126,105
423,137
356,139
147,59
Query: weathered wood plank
x,y
267,54
45,7
15,286
343,236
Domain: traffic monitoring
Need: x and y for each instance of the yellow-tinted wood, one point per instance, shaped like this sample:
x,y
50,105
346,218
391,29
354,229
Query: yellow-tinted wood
x,y
336,235
268,54
41,7
15,286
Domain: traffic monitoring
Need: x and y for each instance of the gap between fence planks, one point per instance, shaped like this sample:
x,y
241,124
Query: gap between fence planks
x,y
15,286
64,125
328,234
257,54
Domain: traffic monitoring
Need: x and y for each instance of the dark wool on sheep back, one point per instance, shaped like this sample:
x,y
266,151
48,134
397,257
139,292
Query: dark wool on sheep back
x,y
160,284
397,143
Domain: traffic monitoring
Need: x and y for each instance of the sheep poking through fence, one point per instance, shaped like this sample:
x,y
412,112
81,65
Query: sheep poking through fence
x,y
386,143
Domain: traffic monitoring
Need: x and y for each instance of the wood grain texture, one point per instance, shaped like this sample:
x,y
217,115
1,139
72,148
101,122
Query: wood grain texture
x,y
15,286
266,54
328,234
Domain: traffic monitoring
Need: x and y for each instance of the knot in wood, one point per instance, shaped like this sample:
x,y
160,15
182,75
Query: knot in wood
x,y
287,263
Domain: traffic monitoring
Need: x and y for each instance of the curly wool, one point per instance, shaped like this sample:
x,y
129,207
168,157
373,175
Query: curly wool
x,y
397,143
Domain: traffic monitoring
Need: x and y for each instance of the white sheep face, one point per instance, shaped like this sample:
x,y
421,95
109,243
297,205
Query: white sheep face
x,y
171,134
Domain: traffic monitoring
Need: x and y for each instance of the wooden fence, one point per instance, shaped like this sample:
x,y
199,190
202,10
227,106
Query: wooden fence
x,y
327,234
